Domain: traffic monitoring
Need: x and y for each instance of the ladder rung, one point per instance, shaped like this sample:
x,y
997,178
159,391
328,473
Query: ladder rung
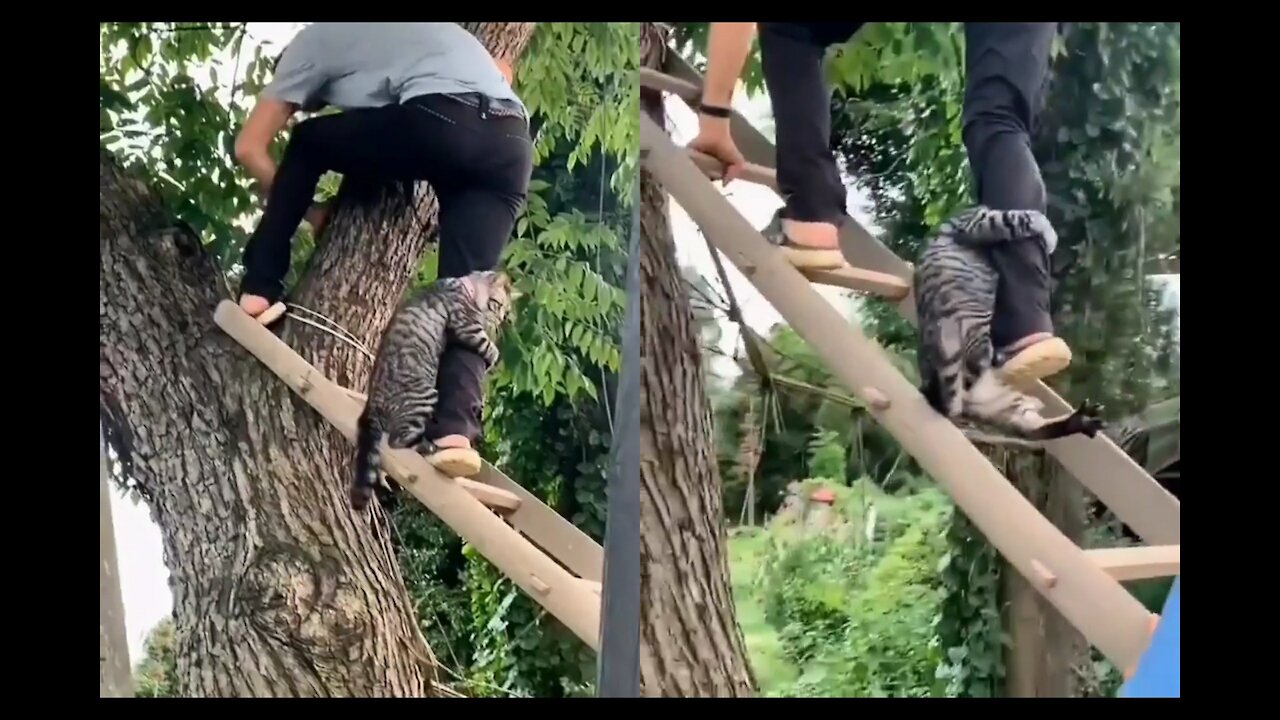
x,y
655,80
751,172
868,281
526,513
495,498
878,283
1138,563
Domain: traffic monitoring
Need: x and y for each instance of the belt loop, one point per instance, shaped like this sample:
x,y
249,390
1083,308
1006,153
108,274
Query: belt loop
x,y
484,106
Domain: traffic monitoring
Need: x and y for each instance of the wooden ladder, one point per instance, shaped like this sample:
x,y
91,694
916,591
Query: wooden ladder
x,y
1083,585
550,559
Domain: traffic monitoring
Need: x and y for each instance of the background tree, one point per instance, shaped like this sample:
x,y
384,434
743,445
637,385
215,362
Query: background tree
x,y
690,642
270,570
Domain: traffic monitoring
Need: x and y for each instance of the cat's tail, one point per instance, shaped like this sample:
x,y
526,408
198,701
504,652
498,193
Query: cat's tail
x,y
368,461
983,226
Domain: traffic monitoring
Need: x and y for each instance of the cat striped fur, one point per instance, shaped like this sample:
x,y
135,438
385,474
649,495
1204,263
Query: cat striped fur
x,y
467,311
955,292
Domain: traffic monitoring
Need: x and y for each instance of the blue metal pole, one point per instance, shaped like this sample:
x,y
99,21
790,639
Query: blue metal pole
x,y
618,663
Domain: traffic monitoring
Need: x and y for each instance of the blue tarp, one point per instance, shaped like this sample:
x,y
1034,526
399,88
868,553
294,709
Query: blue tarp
x,y
1159,673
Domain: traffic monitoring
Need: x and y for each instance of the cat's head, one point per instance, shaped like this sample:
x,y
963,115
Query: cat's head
x,y
494,294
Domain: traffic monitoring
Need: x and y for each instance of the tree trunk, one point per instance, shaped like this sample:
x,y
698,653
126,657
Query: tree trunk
x,y
115,677
1047,653
691,643
278,588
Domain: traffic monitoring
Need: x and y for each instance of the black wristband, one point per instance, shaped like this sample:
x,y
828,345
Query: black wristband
x,y
713,111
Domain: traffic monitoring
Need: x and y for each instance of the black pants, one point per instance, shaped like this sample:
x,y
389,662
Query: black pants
x,y
478,157
1006,67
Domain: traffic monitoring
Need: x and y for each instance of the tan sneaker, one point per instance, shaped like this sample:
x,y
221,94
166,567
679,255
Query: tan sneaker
x,y
272,314
800,256
1036,362
456,462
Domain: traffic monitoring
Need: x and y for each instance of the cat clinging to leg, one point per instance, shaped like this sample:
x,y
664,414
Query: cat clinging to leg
x,y
955,292
468,311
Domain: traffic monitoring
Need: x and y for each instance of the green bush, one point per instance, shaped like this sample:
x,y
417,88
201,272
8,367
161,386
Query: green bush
x,y
828,456
859,616
155,675
805,586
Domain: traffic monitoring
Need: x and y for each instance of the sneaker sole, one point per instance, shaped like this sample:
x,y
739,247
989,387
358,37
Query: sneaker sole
x,y
814,259
1044,359
456,462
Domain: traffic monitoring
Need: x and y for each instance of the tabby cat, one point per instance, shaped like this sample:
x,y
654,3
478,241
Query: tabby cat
x,y
955,291
467,311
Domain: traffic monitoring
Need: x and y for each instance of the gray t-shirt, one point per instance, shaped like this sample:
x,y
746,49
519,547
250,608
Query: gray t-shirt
x,y
370,64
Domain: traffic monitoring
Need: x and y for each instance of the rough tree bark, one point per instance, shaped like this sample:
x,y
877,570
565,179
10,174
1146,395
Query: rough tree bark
x,y
278,588
1047,655
691,645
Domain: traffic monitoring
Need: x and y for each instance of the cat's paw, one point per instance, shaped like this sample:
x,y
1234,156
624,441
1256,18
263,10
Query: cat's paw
x,y
1087,419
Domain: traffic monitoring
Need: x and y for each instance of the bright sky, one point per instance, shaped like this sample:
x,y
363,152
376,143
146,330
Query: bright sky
x,y
143,576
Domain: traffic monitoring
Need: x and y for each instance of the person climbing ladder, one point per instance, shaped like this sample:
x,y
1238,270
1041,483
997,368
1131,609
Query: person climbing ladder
x,y
420,101
1006,68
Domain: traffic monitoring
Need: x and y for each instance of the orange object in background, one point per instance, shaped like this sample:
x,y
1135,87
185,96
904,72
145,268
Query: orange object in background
x,y
824,495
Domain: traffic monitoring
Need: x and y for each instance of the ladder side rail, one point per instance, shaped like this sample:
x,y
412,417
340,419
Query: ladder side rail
x,y
547,528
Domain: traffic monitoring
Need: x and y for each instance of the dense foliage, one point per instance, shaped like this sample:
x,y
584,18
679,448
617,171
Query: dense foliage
x,y
548,418
854,602
173,97
808,409
155,674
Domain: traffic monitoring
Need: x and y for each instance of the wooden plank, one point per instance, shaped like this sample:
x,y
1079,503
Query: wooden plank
x,y
549,584
860,246
751,172
1096,604
683,89
493,497
1138,563
1097,463
889,287
489,495
560,538
683,81
563,540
